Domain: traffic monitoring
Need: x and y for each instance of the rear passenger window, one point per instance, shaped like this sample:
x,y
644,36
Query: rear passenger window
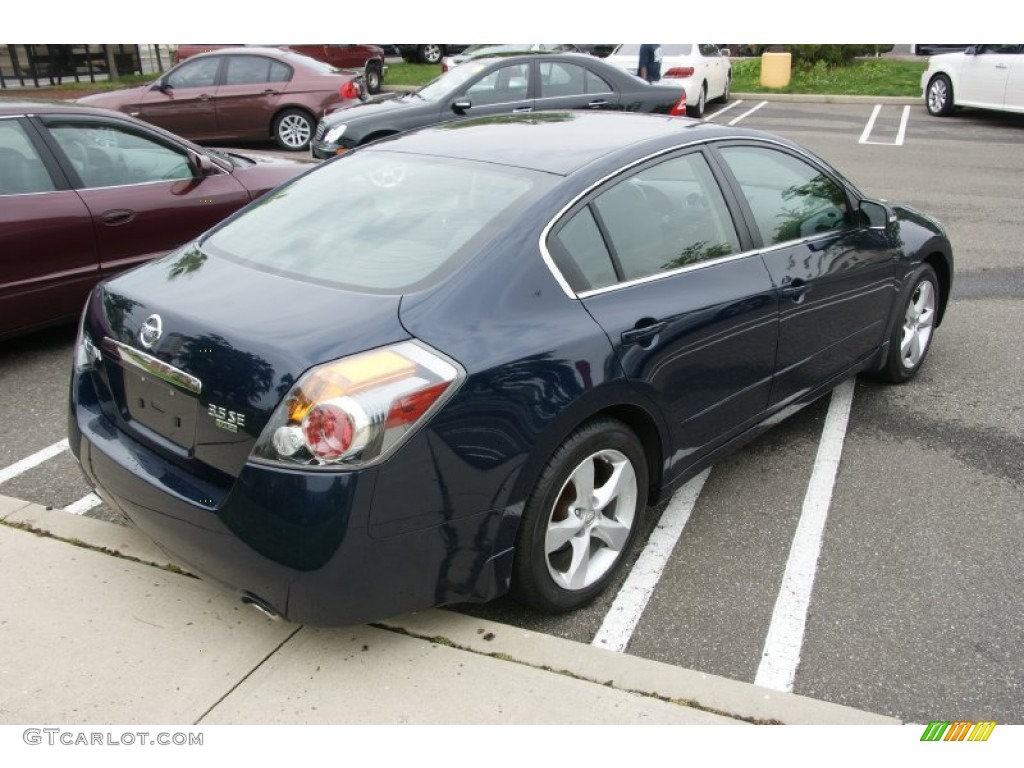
x,y
21,169
668,216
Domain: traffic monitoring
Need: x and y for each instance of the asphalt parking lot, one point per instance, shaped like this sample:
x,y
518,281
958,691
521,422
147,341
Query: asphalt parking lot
x,y
915,608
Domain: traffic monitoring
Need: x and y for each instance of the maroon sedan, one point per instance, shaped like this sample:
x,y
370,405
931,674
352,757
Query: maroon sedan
x,y
239,93
369,58
86,193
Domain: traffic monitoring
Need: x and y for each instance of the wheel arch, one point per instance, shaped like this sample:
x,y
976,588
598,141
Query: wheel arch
x,y
618,404
380,134
940,263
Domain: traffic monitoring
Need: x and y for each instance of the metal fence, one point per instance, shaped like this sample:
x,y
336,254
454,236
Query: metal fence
x,y
45,65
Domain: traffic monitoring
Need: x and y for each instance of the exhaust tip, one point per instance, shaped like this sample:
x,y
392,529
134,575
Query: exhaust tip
x,y
262,606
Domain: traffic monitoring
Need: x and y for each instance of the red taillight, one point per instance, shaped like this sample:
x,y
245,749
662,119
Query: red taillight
x,y
328,430
358,409
680,106
406,410
350,90
679,72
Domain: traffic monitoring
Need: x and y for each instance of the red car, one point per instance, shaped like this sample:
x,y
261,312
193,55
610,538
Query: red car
x,y
239,93
369,58
86,193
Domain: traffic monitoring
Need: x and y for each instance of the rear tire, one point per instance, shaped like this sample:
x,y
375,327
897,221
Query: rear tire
x,y
374,77
581,518
697,110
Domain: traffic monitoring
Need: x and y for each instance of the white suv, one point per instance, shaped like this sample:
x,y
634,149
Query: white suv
x,y
984,76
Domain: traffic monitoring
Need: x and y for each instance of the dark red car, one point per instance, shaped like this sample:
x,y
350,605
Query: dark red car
x,y
368,58
86,193
238,93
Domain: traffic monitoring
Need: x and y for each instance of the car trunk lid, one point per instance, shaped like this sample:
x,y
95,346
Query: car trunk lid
x,y
198,351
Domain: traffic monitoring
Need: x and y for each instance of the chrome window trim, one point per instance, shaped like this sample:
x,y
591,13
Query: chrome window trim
x,y
672,273
575,95
85,187
556,219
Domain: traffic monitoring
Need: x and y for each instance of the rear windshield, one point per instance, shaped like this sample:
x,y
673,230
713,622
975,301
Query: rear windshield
x,y
376,220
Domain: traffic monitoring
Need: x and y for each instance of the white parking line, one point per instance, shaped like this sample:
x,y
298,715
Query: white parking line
x,y
84,504
900,134
622,618
748,113
781,654
37,458
724,109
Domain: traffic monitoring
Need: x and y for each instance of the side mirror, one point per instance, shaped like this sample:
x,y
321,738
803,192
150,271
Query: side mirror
x,y
876,215
201,165
725,52
973,50
162,85
461,105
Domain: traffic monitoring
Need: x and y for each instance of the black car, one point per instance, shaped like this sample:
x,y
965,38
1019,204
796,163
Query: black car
x,y
497,86
463,360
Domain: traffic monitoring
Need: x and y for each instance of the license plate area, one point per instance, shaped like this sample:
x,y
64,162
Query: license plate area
x,y
160,407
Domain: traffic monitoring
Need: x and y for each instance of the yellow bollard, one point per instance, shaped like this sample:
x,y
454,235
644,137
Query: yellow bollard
x,y
775,69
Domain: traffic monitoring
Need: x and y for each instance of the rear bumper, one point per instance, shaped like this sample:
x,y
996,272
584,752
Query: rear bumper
x,y
297,542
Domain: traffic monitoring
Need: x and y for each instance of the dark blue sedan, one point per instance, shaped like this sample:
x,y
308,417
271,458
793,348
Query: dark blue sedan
x,y
462,361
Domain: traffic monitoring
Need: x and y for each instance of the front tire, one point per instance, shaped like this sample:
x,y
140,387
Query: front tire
x,y
697,110
939,98
912,338
581,518
293,129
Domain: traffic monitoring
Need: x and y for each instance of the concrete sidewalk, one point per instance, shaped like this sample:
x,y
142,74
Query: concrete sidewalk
x,y
99,627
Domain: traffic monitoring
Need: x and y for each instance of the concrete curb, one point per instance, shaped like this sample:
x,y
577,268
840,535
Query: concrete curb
x,y
698,697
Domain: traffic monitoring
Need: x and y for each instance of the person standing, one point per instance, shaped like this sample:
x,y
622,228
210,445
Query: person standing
x,y
649,67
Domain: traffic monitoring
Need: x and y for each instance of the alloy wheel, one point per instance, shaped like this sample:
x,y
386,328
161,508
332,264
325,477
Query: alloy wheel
x,y
591,521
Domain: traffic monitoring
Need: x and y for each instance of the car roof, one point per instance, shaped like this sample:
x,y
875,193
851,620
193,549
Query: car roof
x,y
561,142
22,106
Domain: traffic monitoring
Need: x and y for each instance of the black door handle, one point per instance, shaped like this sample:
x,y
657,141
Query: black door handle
x,y
644,331
795,290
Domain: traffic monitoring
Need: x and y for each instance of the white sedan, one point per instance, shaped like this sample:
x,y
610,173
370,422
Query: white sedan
x,y
703,70
984,76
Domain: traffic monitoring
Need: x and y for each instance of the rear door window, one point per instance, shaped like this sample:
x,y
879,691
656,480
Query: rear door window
x,y
21,168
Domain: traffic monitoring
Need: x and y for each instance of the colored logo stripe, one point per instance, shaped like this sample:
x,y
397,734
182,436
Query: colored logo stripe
x,y
959,730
